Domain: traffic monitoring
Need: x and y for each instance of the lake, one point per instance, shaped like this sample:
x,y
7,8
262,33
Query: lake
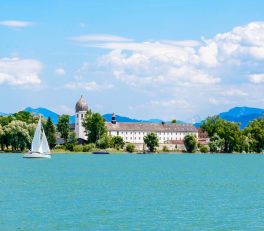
x,y
132,192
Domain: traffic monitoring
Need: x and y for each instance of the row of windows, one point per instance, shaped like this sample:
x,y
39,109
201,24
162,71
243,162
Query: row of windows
x,y
158,133
81,116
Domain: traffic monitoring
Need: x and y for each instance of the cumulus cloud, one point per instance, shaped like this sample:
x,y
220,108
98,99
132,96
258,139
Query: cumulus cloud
x,y
15,23
60,71
214,70
20,72
88,86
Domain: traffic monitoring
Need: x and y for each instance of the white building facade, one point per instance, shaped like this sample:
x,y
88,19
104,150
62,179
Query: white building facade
x,y
169,134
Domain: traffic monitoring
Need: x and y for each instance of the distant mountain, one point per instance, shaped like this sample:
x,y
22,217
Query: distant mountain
x,y
47,113
54,116
242,115
108,118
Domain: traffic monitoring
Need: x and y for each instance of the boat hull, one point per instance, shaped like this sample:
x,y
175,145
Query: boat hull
x,y
37,155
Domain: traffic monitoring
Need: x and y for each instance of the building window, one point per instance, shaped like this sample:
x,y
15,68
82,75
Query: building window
x,y
77,116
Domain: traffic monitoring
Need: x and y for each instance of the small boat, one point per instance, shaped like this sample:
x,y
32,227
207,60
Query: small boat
x,y
39,146
100,152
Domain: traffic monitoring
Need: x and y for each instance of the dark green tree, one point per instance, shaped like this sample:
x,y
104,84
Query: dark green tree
x,y
118,142
64,127
151,140
174,121
50,133
255,133
94,125
190,143
130,148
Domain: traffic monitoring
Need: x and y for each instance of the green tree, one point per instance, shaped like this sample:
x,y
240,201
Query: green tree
x,y
151,140
190,143
216,144
255,133
204,149
2,133
130,148
72,138
211,125
118,142
18,135
64,127
50,133
174,121
94,125
24,116
104,142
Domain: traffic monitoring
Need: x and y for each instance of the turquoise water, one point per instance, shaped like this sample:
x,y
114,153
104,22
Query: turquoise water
x,y
132,192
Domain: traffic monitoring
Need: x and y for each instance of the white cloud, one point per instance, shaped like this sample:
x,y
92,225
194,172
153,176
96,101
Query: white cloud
x,y
256,78
60,71
20,72
213,70
100,38
15,23
175,103
88,86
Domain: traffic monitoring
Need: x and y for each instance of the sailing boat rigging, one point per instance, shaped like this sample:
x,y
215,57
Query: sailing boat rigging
x,y
39,146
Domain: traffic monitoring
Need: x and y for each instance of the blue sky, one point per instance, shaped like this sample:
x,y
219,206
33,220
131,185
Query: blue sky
x,y
143,59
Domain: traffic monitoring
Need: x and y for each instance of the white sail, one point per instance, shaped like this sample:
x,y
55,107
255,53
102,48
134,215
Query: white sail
x,y
44,143
35,146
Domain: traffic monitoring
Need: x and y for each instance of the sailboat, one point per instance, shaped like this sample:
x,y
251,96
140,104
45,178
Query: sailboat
x,y
39,146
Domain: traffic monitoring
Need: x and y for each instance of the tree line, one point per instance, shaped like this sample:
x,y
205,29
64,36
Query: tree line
x,y
17,130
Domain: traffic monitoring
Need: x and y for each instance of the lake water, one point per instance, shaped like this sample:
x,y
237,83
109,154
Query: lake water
x,y
132,192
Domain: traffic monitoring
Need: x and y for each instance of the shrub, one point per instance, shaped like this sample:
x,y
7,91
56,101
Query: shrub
x,y
88,147
78,148
204,149
130,148
69,147
165,149
104,142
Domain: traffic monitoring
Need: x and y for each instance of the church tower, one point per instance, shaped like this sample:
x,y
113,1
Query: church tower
x,y
80,110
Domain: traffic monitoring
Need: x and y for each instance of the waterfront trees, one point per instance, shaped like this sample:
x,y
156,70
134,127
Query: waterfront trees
x,y
118,142
190,143
18,135
130,148
151,140
50,131
64,127
255,134
94,125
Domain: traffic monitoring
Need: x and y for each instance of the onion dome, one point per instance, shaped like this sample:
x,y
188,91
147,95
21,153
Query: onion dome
x,y
113,121
81,105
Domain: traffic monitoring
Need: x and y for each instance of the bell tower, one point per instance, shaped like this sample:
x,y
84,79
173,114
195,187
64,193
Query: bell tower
x,y
81,108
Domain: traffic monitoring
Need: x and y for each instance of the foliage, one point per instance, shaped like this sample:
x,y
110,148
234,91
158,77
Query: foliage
x,y
130,148
64,127
72,138
18,135
104,142
165,149
216,143
78,148
255,135
190,143
174,121
204,149
94,125
26,117
118,142
151,140
89,147
230,136
69,146
50,131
